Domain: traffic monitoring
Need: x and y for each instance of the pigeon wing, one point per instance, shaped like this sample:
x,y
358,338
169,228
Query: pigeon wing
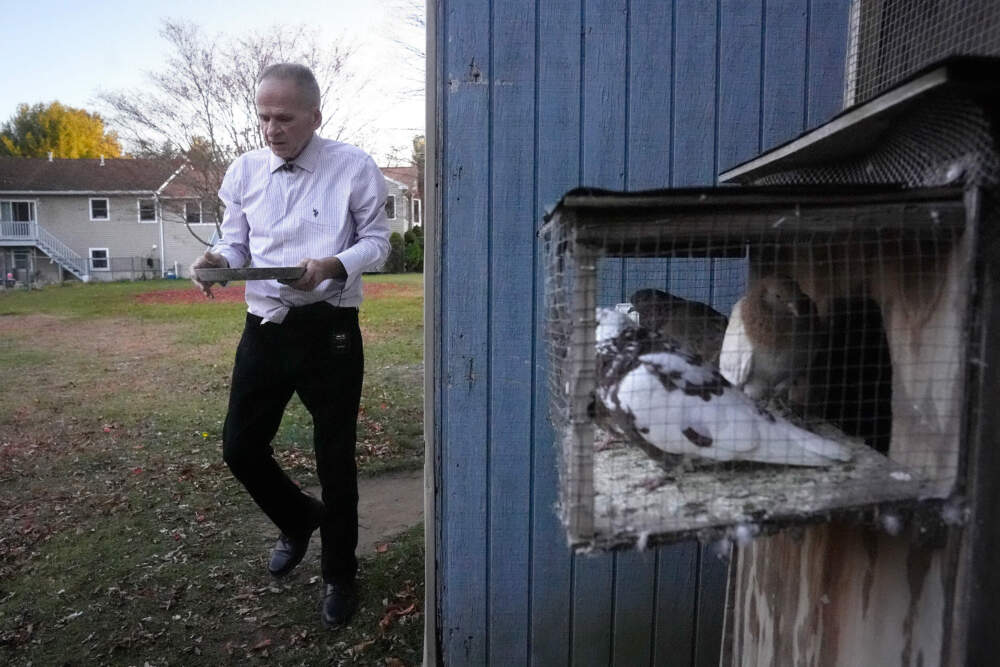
x,y
682,407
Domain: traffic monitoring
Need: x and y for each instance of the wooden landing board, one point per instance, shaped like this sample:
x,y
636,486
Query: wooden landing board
x,y
638,499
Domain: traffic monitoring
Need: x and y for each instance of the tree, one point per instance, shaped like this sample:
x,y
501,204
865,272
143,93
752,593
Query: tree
x,y
201,104
419,160
67,132
407,34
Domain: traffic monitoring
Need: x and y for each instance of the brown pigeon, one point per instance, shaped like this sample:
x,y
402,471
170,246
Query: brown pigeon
x,y
771,337
697,327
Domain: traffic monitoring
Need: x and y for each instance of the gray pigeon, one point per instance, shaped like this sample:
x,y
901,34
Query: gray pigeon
x,y
669,401
771,338
696,326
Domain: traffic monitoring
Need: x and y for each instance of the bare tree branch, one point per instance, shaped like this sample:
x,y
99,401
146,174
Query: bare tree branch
x,y
201,104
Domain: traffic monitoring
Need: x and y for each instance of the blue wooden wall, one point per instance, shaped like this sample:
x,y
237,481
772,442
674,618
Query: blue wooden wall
x,y
534,98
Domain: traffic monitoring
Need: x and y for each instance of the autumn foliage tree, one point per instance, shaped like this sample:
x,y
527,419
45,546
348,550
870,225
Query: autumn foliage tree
x,y
67,132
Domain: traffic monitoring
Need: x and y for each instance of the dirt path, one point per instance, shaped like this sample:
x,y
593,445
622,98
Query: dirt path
x,y
387,505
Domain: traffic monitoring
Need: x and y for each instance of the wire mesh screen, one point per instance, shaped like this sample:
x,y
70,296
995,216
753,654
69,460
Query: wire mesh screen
x,y
892,39
722,361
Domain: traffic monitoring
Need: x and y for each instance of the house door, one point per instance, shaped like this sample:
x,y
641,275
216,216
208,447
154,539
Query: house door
x,y
21,264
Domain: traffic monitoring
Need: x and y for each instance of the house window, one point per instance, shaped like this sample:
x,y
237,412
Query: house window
x,y
147,210
99,259
99,209
417,213
390,207
17,211
192,212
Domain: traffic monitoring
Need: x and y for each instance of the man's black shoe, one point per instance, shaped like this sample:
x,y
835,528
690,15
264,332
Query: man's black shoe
x,y
340,601
288,551
286,554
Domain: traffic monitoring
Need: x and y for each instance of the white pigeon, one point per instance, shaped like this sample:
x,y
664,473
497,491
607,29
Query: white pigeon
x,y
771,337
656,393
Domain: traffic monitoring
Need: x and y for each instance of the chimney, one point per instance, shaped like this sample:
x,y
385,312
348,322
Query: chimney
x,y
102,160
50,156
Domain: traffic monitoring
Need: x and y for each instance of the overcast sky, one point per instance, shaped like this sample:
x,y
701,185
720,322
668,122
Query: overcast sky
x,y
68,50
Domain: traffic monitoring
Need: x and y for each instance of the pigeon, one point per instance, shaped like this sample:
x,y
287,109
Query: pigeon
x,y
698,327
672,403
771,338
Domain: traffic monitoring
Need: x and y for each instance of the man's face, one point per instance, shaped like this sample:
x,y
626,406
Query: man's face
x,y
286,120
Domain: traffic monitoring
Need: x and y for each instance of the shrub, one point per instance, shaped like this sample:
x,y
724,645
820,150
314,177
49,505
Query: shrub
x,y
413,251
396,262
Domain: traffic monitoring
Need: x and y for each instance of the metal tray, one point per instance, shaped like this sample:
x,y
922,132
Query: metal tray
x,y
250,273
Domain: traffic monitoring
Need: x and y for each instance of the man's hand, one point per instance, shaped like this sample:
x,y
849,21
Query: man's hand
x,y
209,260
317,270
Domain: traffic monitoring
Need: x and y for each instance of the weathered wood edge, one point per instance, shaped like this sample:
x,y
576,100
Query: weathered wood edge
x,y
927,513
977,587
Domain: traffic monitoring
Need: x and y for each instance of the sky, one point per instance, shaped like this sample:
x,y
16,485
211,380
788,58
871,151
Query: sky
x,y
68,50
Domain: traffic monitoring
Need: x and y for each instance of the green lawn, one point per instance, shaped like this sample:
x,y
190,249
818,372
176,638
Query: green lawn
x,y
125,540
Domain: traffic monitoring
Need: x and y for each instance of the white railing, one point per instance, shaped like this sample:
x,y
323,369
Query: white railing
x,y
61,252
18,231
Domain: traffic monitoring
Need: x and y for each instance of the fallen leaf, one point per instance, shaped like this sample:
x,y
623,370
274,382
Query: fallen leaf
x,y
261,644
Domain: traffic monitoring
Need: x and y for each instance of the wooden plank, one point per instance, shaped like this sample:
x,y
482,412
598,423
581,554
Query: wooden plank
x,y
739,81
512,243
432,340
827,48
695,161
603,155
650,95
713,576
464,322
785,62
593,592
695,93
556,170
838,594
978,585
676,593
647,166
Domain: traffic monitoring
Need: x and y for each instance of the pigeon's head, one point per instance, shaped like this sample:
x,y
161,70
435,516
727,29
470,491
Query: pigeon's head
x,y
782,295
650,297
611,323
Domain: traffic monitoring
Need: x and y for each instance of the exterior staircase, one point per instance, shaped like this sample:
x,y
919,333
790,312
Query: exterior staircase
x,y
33,234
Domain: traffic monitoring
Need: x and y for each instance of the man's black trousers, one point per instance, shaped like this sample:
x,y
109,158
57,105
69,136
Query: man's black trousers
x,y
317,353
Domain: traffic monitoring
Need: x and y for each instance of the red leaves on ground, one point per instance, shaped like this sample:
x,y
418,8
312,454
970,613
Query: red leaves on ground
x,y
405,604
192,295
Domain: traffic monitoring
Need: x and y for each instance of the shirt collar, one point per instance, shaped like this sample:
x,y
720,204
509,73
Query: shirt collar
x,y
306,160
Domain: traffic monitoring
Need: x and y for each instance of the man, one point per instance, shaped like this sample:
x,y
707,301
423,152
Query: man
x,y
319,204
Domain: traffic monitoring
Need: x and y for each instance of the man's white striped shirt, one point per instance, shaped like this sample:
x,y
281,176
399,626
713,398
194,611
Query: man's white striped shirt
x,y
331,204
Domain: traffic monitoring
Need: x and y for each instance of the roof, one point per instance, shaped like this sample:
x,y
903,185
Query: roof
x,y
39,175
405,175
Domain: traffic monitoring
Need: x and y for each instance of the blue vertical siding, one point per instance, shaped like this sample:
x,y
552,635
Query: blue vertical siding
x,y
512,250
465,333
536,98
602,164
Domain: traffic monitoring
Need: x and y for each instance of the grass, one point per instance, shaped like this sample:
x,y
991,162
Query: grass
x,y
125,540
